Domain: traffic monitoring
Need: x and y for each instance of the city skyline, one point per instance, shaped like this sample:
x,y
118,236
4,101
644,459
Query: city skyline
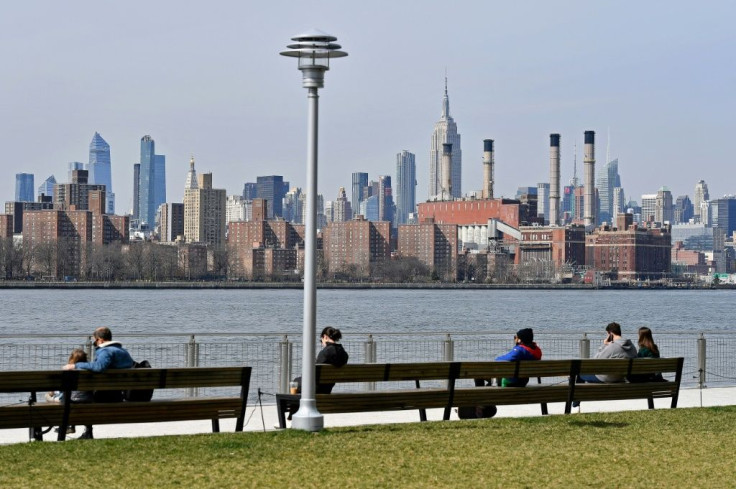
x,y
655,77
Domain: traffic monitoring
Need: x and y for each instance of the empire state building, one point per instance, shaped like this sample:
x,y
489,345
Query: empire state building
x,y
445,131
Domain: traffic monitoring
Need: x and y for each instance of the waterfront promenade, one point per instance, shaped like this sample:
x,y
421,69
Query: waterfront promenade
x,y
264,419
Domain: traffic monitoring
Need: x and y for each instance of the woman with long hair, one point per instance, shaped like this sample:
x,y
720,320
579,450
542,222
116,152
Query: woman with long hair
x,y
647,347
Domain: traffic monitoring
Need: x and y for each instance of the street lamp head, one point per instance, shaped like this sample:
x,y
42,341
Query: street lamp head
x,y
314,50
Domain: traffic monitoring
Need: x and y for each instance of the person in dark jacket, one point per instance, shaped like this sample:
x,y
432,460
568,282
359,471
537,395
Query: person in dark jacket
x,y
332,353
524,349
108,355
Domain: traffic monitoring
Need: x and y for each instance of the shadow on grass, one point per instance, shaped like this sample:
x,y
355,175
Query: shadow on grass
x,y
599,424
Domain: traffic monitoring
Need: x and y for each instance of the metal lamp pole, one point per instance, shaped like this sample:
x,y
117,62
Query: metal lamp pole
x,y
314,50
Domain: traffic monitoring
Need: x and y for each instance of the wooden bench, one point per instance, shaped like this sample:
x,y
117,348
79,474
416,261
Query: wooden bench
x,y
451,394
36,415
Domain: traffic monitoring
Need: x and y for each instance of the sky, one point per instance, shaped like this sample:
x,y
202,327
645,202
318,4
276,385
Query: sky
x,y
206,79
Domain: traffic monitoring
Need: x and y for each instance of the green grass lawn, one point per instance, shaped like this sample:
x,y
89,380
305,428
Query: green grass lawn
x,y
662,448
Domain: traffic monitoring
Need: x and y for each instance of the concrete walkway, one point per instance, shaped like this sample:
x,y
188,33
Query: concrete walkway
x,y
265,419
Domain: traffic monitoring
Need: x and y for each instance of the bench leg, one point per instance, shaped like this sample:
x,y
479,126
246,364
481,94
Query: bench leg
x,y
422,415
545,412
215,426
650,401
280,405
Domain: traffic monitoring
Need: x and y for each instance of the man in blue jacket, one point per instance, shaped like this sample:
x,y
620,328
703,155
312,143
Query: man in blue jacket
x,y
524,349
108,355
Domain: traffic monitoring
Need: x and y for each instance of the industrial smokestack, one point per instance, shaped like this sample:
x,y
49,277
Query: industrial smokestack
x,y
488,165
447,171
554,179
589,166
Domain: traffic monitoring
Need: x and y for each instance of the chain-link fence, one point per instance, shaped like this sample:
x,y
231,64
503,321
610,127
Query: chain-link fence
x,y
710,358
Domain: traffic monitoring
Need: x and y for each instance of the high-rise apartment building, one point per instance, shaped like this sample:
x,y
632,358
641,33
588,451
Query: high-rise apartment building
x,y
152,181
701,195
724,214
619,202
100,172
76,195
170,221
356,244
204,212
445,132
24,187
47,187
72,166
136,193
608,179
360,182
271,188
406,186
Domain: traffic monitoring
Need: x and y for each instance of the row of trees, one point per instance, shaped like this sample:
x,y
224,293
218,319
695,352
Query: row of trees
x,y
152,261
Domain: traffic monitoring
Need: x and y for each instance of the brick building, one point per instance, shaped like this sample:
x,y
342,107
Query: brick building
x,y
474,211
559,245
355,245
435,245
6,225
629,252
260,249
59,240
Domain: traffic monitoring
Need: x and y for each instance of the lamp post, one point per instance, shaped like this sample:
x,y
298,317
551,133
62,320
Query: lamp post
x,y
314,50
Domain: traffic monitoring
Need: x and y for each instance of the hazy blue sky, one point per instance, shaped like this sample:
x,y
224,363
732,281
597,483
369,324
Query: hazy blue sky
x,y
205,78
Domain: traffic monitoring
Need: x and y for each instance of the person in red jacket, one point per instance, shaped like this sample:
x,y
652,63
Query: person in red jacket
x,y
524,349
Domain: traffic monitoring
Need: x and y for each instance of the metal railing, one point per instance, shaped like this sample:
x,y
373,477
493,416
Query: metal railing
x,y
710,358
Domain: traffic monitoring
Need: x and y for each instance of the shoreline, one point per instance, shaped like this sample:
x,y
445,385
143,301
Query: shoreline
x,y
357,286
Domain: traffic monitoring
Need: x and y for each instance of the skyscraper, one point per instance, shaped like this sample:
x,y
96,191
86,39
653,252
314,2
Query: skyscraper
x,y
204,211
24,187
701,195
47,187
136,192
683,209
386,206
406,186
445,131
341,208
608,179
152,181
271,188
543,189
99,169
360,181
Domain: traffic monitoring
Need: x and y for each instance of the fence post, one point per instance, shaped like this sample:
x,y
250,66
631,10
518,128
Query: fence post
x,y
585,346
369,352
701,361
88,348
448,349
192,361
285,352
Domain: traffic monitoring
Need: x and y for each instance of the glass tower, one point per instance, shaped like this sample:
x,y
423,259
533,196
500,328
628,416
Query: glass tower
x,y
47,187
99,169
152,181
406,186
24,187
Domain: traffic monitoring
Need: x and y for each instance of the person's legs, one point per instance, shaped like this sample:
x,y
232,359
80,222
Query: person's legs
x,y
590,378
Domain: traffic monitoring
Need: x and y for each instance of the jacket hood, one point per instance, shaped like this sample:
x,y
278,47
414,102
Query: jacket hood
x,y
626,345
109,343
534,351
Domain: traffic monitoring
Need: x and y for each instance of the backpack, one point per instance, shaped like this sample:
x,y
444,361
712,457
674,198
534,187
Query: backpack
x,y
473,412
139,395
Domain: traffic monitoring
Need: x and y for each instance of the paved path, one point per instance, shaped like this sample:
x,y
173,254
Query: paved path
x,y
258,420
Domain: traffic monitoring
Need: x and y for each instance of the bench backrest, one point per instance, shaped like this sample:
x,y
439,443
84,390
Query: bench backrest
x,y
634,366
524,368
380,372
123,379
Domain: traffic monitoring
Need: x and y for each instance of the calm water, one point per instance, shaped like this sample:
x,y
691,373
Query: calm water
x,y
39,312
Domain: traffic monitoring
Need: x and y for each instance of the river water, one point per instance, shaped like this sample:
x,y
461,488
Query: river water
x,y
52,312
